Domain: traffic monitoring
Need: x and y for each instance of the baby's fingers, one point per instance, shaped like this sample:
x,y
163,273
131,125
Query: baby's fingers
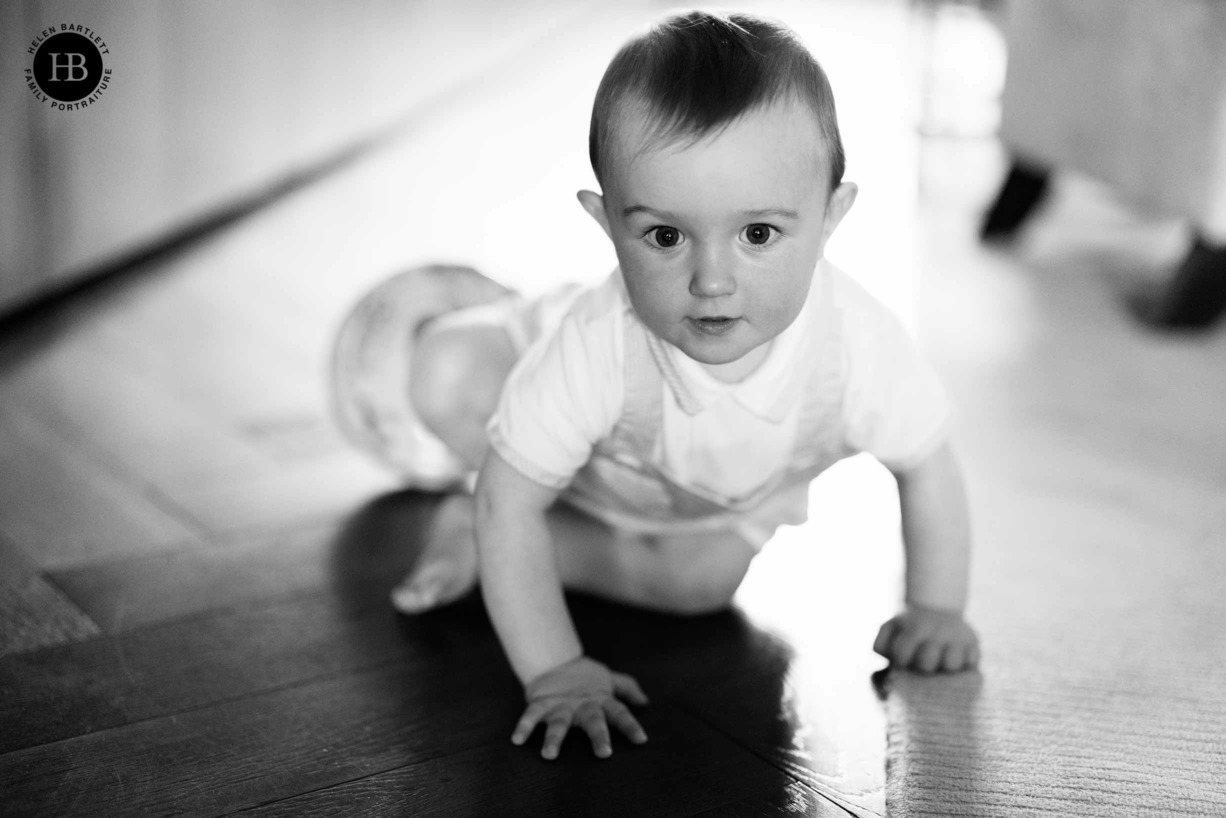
x,y
591,718
626,687
528,722
929,656
621,718
559,724
962,656
955,658
884,637
904,647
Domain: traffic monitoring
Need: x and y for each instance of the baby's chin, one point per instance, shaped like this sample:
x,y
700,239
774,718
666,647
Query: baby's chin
x,y
729,365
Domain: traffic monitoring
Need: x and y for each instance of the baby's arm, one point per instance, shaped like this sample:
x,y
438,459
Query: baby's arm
x,y
523,594
931,635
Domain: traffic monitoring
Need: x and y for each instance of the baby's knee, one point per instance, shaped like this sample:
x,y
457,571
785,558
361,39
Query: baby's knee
x,y
457,374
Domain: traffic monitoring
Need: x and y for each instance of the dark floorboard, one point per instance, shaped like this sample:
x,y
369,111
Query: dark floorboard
x,y
304,737
402,711
794,799
186,665
284,649
686,769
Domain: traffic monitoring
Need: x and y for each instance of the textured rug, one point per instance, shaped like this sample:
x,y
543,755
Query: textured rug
x,y
1102,688
33,613
1094,452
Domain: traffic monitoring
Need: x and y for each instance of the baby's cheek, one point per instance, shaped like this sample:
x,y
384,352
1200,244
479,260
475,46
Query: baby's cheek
x,y
655,312
648,297
780,312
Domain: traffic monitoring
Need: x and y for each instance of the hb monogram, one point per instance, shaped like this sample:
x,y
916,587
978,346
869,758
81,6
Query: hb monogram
x,y
72,65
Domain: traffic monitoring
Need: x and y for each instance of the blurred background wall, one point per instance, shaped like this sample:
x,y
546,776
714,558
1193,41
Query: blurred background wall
x,y
213,104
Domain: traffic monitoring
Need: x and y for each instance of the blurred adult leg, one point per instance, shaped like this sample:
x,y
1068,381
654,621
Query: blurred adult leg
x,y
1195,298
1024,189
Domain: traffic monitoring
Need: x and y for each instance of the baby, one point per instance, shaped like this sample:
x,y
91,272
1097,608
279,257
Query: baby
x,y
679,408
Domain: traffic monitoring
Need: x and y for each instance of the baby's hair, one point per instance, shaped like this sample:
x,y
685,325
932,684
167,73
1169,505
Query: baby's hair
x,y
695,73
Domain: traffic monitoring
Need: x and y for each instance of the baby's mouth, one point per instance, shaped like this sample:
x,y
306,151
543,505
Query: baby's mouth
x,y
714,325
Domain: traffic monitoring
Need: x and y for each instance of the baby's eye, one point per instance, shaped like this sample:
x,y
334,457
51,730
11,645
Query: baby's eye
x,y
759,234
664,237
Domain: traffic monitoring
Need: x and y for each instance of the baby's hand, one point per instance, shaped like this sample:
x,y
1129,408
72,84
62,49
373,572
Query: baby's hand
x,y
928,640
581,692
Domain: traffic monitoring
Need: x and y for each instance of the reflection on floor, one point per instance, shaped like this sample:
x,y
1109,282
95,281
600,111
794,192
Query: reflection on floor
x,y
195,568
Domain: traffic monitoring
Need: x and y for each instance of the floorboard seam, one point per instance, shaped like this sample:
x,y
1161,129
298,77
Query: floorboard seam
x,y
315,679
345,783
216,703
253,604
738,742
81,447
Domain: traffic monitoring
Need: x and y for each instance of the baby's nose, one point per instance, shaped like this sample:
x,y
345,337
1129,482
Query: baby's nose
x,y
712,277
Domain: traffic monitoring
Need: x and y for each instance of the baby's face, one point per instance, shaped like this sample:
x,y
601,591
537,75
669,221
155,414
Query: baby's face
x,y
718,240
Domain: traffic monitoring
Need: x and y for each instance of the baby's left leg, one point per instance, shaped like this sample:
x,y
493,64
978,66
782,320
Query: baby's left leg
x,y
683,574
454,386
375,349
455,382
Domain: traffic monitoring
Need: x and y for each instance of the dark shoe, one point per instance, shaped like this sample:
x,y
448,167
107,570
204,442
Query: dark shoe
x,y
1196,297
1024,190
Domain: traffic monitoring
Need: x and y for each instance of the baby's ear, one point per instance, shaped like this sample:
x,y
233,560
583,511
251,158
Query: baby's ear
x,y
841,200
593,203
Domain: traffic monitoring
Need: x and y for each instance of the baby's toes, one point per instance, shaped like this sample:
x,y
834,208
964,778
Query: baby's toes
x,y
429,587
928,657
955,658
413,596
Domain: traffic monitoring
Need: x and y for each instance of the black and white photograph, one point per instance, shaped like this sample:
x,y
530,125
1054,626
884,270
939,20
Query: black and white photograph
x,y
612,409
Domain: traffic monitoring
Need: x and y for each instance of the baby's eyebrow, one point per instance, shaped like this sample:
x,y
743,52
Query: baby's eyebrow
x,y
764,213
770,212
632,209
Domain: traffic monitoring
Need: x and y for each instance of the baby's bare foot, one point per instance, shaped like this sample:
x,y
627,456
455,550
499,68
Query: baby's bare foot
x,y
447,567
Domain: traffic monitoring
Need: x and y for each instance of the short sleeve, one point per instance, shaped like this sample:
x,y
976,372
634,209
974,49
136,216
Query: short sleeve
x,y
561,398
895,406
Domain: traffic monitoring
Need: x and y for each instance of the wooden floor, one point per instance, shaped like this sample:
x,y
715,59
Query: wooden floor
x,y
194,568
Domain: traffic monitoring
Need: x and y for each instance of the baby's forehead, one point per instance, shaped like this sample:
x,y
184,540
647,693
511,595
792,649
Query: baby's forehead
x,y
788,131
